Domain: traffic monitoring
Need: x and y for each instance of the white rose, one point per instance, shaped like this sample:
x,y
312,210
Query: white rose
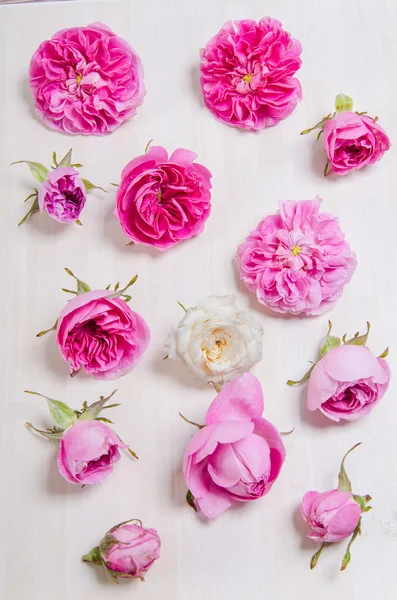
x,y
216,340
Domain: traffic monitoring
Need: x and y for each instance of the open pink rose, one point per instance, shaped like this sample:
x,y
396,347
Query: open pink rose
x,y
297,261
238,455
162,201
332,516
100,333
62,195
247,73
88,451
86,80
347,383
352,141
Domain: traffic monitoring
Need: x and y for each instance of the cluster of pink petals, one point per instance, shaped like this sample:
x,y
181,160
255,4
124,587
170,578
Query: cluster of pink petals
x,y
297,261
162,201
86,80
352,141
238,455
332,515
100,333
88,451
134,551
62,195
347,383
247,73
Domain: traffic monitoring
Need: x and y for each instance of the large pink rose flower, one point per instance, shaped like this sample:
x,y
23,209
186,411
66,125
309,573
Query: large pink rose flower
x,y
162,201
238,455
297,261
101,334
88,451
347,383
352,141
86,80
63,195
247,73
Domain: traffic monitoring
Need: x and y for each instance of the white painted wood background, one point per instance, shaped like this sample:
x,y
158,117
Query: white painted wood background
x,y
257,551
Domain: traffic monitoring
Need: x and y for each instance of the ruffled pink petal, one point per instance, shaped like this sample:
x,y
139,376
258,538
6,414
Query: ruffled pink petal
x,y
240,399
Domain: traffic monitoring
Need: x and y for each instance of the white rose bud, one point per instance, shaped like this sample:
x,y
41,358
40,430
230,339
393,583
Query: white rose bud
x,y
216,340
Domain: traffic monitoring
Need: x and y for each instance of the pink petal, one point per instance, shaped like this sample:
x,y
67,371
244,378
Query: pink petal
x,y
214,504
240,399
307,503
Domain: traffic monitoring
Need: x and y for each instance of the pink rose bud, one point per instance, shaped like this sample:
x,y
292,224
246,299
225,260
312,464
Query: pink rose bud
x,y
86,80
88,448
237,456
163,200
128,550
97,331
62,193
348,380
334,515
247,73
351,140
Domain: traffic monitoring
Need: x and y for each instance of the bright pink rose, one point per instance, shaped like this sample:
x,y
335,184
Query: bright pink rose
x,y
332,516
88,451
347,383
352,141
62,195
297,261
247,73
238,455
101,334
132,551
162,201
86,80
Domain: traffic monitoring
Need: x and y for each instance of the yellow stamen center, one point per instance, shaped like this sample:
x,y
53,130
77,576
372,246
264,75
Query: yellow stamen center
x,y
248,77
295,250
78,79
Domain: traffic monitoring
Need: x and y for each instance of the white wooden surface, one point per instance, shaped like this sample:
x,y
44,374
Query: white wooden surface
x,y
256,551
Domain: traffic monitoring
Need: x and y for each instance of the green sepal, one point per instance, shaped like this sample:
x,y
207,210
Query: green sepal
x,y
90,186
82,287
191,422
191,500
53,435
330,342
304,378
53,328
344,483
120,293
67,160
384,353
316,556
363,502
39,171
94,556
107,544
92,412
33,209
343,103
357,339
181,305
62,414
347,557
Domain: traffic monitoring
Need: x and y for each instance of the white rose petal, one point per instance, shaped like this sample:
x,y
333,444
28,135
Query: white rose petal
x,y
216,340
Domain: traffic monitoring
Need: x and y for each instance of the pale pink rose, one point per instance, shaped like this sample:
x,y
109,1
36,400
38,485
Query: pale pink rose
x,y
238,455
347,383
88,451
247,73
332,516
162,201
62,195
86,80
101,334
297,261
134,551
352,141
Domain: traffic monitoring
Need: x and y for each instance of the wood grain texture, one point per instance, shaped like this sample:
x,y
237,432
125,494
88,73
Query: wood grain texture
x,y
256,551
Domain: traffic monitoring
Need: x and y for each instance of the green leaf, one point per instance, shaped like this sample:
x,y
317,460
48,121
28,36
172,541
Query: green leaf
x,y
316,556
330,342
347,557
357,339
67,160
33,209
92,412
62,414
343,103
90,186
39,171
190,500
344,483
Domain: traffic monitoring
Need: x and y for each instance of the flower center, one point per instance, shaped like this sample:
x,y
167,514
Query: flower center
x,y
215,345
295,250
248,77
78,79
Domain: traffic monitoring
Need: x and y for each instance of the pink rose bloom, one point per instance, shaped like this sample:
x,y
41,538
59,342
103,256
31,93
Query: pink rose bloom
x,y
247,73
162,201
297,261
62,195
133,552
352,141
238,455
101,334
332,516
86,80
88,451
347,383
